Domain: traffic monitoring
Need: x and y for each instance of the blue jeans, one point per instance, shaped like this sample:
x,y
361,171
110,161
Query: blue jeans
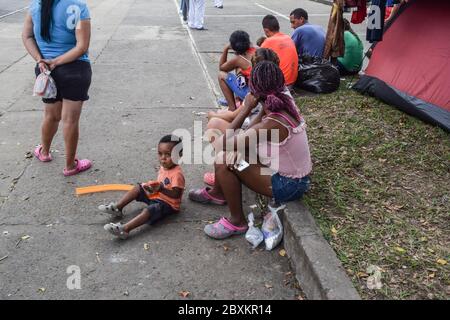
x,y
237,85
184,8
286,189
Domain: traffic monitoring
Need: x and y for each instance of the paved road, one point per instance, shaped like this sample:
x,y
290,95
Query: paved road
x,y
8,6
151,76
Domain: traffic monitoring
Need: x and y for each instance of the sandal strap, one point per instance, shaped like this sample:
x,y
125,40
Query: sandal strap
x,y
228,225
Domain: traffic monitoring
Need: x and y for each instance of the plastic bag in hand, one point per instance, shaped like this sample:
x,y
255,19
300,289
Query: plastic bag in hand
x,y
253,234
272,228
45,86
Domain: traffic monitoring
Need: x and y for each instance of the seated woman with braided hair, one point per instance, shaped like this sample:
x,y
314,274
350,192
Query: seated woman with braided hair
x,y
220,121
279,139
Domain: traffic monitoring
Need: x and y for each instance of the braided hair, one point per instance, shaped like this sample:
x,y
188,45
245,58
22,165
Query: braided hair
x,y
267,82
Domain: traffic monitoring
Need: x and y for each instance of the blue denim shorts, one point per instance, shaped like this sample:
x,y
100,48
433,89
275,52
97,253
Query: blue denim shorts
x,y
237,85
158,208
286,189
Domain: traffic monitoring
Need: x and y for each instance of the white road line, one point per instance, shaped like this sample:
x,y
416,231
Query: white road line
x,y
200,60
273,11
14,12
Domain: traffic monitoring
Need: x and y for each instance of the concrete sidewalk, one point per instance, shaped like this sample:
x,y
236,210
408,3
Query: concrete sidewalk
x,y
144,75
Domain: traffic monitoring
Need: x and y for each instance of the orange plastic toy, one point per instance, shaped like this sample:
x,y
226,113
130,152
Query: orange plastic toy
x,y
103,188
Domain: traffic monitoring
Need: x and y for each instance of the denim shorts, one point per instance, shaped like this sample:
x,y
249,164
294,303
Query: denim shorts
x,y
286,189
237,85
158,208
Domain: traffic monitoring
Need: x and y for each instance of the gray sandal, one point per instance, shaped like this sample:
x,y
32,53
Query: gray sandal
x,y
111,209
117,230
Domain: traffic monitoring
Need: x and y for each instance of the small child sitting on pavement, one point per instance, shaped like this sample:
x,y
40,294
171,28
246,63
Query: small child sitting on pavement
x,y
163,197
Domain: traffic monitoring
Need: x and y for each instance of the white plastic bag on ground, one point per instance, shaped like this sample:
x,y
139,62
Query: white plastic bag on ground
x,y
45,86
374,281
253,234
272,228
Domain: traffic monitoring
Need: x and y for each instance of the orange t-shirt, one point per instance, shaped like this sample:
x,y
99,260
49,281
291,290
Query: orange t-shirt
x,y
173,178
285,48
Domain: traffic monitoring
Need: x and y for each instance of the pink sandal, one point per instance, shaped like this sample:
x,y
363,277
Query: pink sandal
x,y
202,196
82,165
223,229
209,178
40,156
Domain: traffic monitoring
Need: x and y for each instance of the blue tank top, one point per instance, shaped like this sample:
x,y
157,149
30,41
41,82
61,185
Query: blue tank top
x,y
66,14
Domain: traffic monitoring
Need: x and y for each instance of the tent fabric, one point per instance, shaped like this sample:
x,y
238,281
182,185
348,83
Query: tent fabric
x,y
409,104
414,60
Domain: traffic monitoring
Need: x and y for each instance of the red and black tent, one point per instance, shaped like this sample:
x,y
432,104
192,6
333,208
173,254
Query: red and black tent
x,y
410,68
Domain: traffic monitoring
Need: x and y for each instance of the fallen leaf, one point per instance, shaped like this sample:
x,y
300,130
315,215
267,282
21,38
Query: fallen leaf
x,y
282,252
400,249
362,275
25,237
226,248
146,246
333,231
184,294
442,261
41,290
268,286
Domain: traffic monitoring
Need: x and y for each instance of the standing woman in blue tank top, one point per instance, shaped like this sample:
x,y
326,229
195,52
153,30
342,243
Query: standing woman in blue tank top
x,y
56,34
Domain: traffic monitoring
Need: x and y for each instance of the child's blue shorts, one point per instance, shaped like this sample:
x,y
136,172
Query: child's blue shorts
x,y
158,208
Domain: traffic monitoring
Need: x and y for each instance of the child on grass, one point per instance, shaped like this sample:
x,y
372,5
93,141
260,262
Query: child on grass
x,y
163,197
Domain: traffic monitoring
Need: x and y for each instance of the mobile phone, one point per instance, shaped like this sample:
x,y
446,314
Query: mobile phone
x,y
242,165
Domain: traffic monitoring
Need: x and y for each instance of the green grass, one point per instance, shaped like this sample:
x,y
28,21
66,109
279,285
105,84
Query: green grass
x,y
381,193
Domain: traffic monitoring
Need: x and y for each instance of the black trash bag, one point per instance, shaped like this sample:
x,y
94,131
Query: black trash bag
x,y
317,75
